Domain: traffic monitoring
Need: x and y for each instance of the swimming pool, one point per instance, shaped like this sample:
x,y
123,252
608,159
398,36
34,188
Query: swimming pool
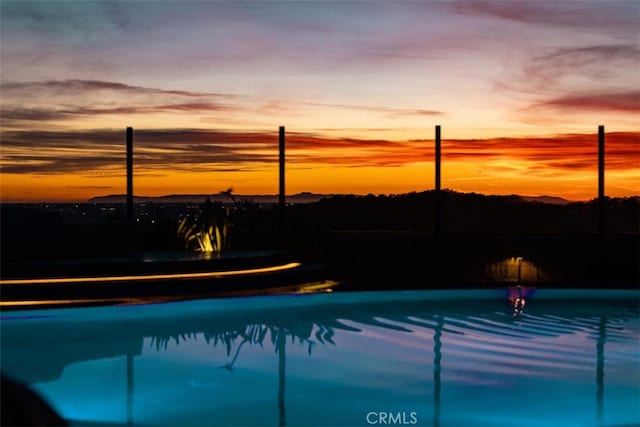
x,y
426,358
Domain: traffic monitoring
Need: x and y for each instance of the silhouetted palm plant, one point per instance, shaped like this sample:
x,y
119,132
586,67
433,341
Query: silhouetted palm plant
x,y
210,232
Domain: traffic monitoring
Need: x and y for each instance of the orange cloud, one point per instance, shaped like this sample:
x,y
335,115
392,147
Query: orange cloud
x,y
66,151
182,159
625,102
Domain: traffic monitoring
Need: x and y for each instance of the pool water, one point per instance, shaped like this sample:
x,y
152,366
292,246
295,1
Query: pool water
x,y
425,358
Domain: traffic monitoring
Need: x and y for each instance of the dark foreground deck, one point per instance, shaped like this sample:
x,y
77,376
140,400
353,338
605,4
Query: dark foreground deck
x,y
357,260
409,259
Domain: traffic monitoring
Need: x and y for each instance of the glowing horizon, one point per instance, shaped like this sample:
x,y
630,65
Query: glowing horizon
x,y
334,166
518,87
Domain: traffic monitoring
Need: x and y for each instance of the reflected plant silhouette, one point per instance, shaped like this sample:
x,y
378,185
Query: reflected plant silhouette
x,y
252,334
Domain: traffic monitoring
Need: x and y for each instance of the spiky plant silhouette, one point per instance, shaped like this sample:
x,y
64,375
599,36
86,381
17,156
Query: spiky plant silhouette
x,y
209,233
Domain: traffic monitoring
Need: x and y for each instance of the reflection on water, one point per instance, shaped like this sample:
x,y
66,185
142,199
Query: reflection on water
x,y
129,388
602,335
517,297
437,358
452,358
280,349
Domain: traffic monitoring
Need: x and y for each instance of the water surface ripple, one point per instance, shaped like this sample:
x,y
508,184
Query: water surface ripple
x,y
426,358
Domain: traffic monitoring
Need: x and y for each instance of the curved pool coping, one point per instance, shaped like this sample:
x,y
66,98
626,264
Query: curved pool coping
x,y
157,278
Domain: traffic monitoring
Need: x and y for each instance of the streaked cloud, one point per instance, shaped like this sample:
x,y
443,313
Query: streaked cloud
x,y
570,83
93,153
74,102
584,68
69,100
593,15
553,154
84,86
91,187
579,56
596,102
391,112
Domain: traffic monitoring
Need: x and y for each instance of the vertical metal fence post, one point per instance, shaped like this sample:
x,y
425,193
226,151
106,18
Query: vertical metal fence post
x,y
281,195
601,197
130,174
438,207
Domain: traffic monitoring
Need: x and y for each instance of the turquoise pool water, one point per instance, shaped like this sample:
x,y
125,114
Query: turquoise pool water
x,y
426,358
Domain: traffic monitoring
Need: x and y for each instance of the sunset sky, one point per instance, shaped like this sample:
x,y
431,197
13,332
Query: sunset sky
x,y
519,88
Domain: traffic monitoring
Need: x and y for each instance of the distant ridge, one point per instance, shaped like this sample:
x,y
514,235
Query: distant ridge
x,y
546,199
304,197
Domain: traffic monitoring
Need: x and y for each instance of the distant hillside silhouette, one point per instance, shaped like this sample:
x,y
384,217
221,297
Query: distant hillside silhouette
x,y
304,197
464,212
546,199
